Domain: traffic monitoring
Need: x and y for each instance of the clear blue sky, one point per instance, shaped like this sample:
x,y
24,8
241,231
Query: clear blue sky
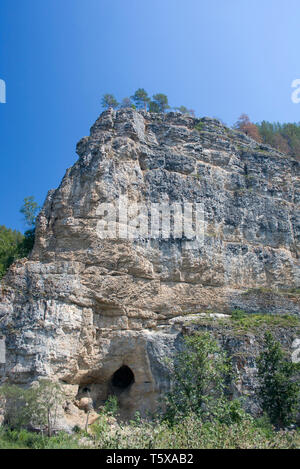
x,y
57,57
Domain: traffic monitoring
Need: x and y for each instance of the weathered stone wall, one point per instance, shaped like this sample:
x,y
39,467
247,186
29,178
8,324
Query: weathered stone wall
x,y
81,307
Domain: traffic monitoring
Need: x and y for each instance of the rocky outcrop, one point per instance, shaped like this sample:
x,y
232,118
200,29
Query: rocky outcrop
x,y
91,302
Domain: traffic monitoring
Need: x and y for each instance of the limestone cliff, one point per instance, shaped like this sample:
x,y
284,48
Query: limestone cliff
x,y
83,307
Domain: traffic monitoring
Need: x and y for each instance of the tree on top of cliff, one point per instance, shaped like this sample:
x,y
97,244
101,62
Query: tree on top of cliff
x,y
160,102
108,100
184,110
285,137
247,127
141,98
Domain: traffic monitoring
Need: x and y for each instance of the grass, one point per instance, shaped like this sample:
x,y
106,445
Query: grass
x,y
191,432
23,439
240,321
245,322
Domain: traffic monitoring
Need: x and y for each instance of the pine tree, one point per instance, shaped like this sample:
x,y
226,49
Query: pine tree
x,y
109,101
141,99
161,102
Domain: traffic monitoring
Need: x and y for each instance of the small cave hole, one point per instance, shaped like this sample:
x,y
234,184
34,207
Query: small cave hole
x,y
122,378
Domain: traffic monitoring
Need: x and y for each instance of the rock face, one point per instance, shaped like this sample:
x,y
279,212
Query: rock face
x,y
84,307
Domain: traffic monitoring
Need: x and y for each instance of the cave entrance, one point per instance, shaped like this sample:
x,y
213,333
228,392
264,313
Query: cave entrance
x,y
122,378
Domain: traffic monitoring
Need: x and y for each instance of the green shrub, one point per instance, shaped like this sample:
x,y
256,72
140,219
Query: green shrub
x,y
250,321
199,126
279,388
111,405
238,314
9,244
37,405
14,400
200,375
27,243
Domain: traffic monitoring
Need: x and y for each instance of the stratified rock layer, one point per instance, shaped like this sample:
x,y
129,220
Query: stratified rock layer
x,y
82,307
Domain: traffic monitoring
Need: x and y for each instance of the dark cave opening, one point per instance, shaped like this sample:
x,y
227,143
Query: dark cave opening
x,y
122,378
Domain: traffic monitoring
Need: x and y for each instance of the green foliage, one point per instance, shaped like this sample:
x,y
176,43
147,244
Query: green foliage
x,y
14,400
184,110
284,137
111,406
23,439
27,243
200,375
238,314
108,100
141,98
153,107
101,427
160,101
36,406
76,429
47,398
199,126
227,426
29,209
243,321
14,245
190,432
279,390
110,410
10,242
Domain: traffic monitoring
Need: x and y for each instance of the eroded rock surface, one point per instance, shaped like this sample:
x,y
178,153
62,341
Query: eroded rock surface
x,y
83,307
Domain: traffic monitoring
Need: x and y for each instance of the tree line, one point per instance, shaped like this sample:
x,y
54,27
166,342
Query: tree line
x,y
284,137
141,100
